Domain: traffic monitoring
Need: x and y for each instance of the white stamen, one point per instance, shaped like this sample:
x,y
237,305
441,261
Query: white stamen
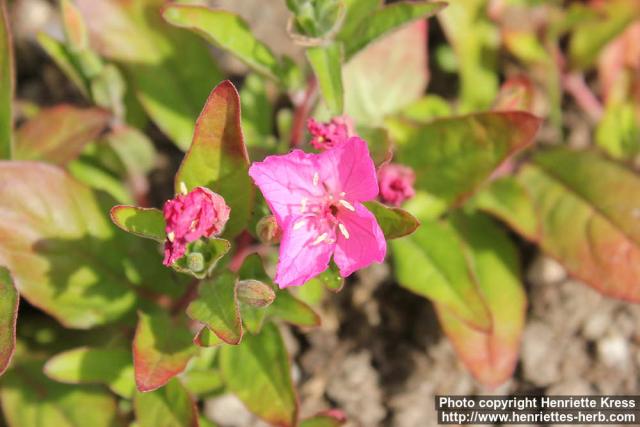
x,y
316,178
303,205
321,238
347,205
343,230
299,224
342,194
171,236
183,188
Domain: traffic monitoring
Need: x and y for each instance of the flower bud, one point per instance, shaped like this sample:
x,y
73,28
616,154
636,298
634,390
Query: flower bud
x,y
268,230
255,293
328,135
396,183
188,217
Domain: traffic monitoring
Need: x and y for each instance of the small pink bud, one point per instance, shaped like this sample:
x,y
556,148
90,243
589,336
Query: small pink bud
x,y
396,183
328,135
268,230
188,217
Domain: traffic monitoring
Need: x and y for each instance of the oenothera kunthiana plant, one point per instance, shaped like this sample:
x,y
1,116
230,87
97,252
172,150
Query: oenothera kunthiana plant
x,y
157,308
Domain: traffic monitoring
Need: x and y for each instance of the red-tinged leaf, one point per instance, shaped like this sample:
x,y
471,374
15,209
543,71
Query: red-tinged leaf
x,y
331,418
217,307
218,157
490,356
6,85
170,406
258,371
453,156
588,212
30,399
162,348
516,94
388,75
74,26
9,300
58,135
63,252
432,263
206,338
154,54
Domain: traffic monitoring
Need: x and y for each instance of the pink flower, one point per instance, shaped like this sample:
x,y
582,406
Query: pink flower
x,y
396,183
317,201
328,135
201,213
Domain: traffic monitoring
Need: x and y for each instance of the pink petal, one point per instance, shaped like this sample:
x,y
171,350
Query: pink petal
x,y
301,258
348,168
285,180
366,243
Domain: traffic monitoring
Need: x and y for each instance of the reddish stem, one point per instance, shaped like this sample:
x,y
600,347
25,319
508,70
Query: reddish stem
x,y
303,108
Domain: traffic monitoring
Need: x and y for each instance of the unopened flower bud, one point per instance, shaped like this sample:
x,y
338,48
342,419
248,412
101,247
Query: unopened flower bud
x,y
188,217
396,183
328,135
268,230
255,293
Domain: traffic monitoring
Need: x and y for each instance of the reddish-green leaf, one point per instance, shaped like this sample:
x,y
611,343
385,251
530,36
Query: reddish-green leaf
x,y
170,406
490,356
394,222
9,300
113,367
63,252
452,157
58,135
588,212
6,85
155,56
206,338
217,307
387,76
162,348
30,399
259,373
144,222
218,157
323,420
431,263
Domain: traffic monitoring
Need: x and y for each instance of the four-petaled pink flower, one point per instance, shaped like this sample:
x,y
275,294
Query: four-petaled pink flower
x,y
396,183
317,201
331,134
188,217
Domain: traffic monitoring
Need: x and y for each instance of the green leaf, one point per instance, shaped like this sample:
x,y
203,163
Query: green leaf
x,y
322,421
218,158
64,253
326,62
227,31
493,262
506,198
259,373
588,212
357,11
29,399
290,309
112,367
9,300
453,156
385,20
591,35
257,113
430,263
99,179
206,338
154,54
475,42
386,76
618,132
202,257
394,222
64,59
7,84
169,406
162,348
144,222
58,135
217,307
